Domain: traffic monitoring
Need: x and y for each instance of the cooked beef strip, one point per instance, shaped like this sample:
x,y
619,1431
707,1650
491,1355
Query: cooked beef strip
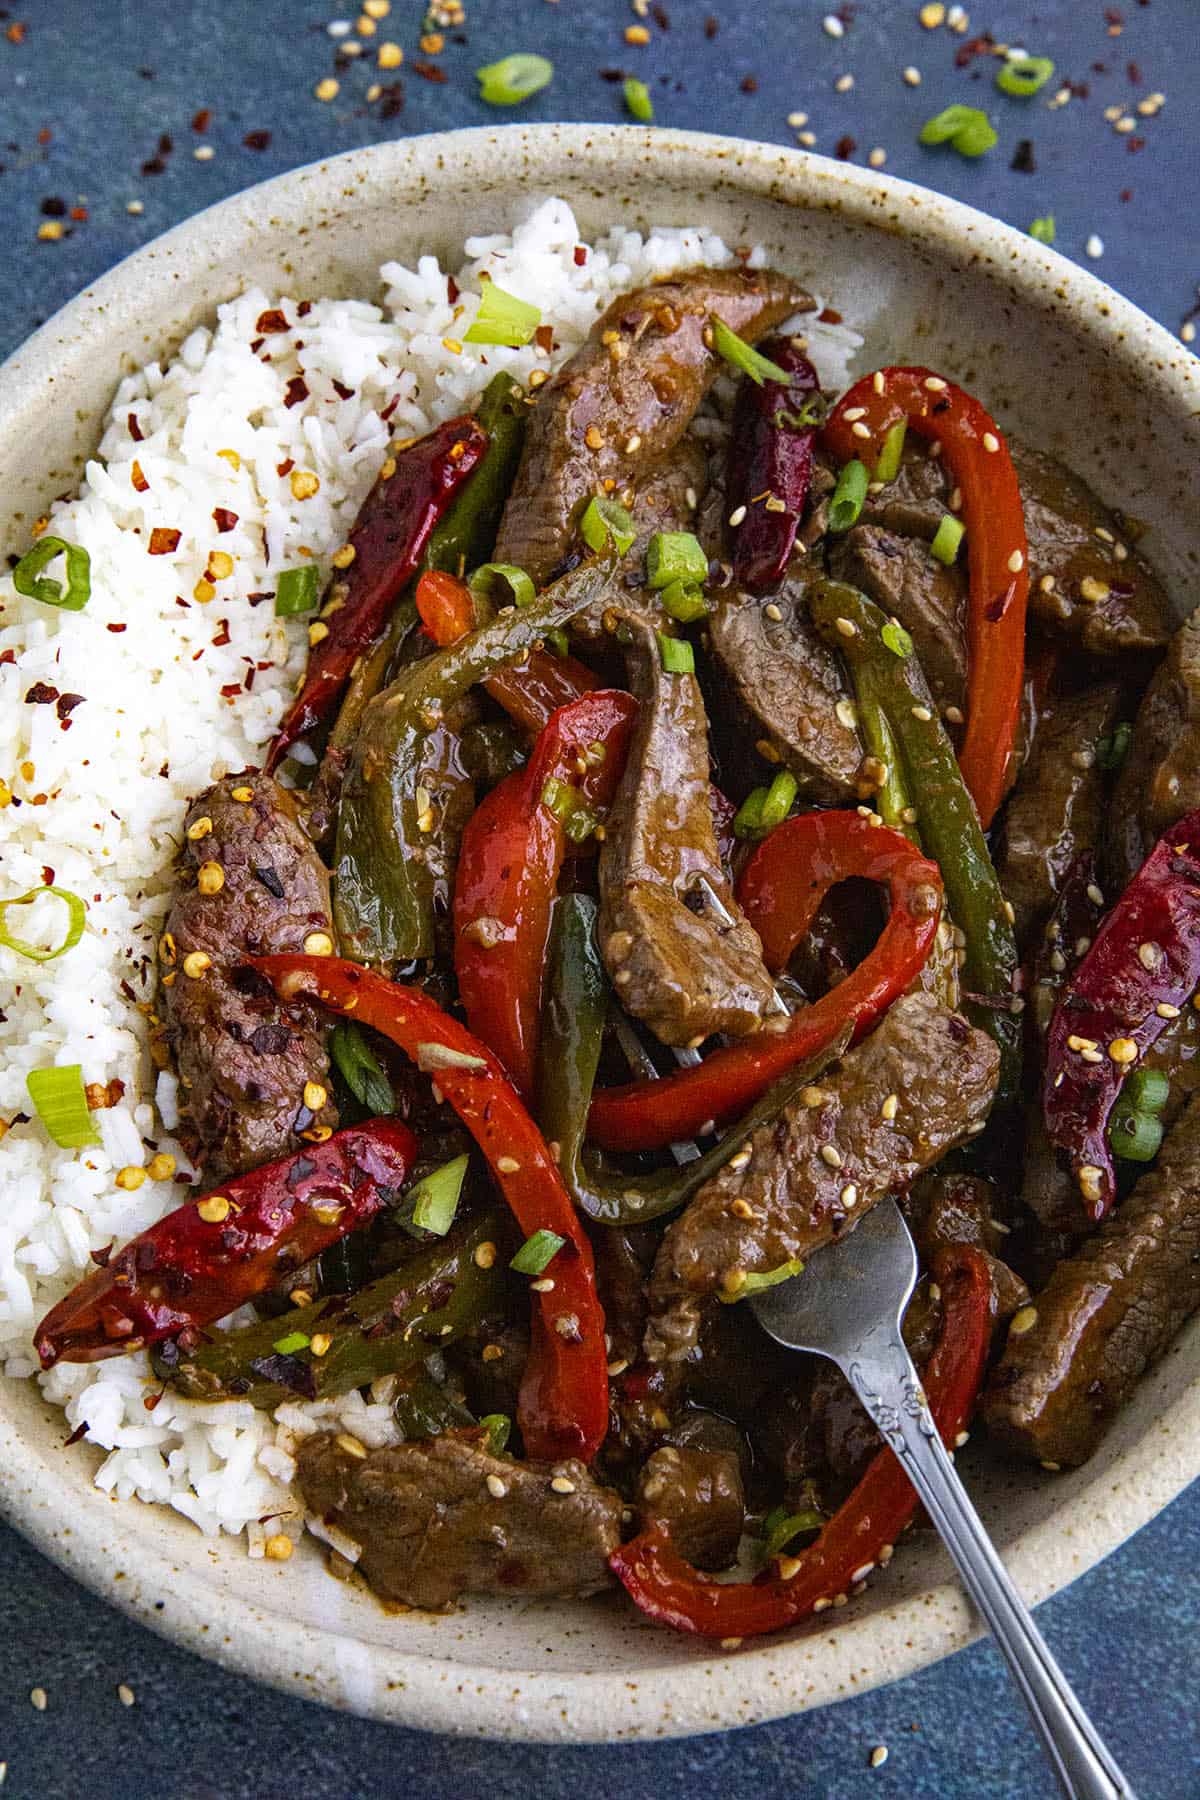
x,y
243,1061
775,681
431,1528
1064,520
1055,809
674,964
820,1167
695,1496
637,379
911,585
623,1259
1105,1315
1160,780
945,1209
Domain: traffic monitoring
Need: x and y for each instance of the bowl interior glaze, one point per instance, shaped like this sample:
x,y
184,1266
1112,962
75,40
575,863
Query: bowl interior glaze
x,y
1053,353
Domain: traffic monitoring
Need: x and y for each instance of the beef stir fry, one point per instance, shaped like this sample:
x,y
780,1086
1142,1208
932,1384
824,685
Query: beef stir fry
x,y
725,804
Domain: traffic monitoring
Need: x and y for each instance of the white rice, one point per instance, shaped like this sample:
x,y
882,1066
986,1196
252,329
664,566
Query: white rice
x,y
99,797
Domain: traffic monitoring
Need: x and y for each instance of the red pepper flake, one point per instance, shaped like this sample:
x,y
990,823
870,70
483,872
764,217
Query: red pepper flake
x,y
231,690
150,1401
580,256
248,680
163,540
116,629
829,315
341,390
966,53
66,704
661,17
1023,158
543,337
388,410
749,84
295,391
285,467
428,71
8,656
613,75
223,519
1125,195
1134,73
845,148
79,214
391,100
40,694
1134,144
270,321
79,1429
135,430
154,165
452,289
53,207
1114,18
47,875
201,120
256,140
15,33
711,26
137,478
221,636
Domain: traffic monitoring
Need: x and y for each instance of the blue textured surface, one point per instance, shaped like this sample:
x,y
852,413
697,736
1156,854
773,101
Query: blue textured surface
x,y
106,80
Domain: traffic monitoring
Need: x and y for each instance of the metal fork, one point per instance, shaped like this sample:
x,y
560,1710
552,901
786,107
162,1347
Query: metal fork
x,y
847,1306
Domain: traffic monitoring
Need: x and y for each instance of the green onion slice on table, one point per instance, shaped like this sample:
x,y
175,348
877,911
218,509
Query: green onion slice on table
x,y
514,78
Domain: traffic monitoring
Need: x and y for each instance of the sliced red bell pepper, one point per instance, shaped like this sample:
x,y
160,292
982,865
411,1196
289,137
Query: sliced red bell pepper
x,y
865,1529
388,538
781,889
977,457
563,1402
215,1252
1144,958
530,692
770,466
508,867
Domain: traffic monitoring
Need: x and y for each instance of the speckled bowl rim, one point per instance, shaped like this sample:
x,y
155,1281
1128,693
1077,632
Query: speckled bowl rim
x,y
713,1690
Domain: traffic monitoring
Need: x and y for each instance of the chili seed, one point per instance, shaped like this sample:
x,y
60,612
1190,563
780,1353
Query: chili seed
x,y
214,1209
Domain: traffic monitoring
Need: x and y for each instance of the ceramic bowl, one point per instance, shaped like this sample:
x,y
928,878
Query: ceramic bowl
x,y
1053,353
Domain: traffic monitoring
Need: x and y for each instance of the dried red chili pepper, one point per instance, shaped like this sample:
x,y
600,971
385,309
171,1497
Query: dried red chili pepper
x,y
215,1252
388,537
770,465
670,1591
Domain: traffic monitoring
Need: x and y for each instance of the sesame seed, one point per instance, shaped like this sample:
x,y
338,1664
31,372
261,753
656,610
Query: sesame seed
x,y
922,713
130,1177
508,1165
1150,956
935,384
1023,1320
740,1160
1094,894
37,1699
797,119
1051,1468
1090,1178
879,1756
1187,332
736,517
807,138
860,430
932,15
485,1254
1091,1056
496,1488
1165,1010
846,715
891,1107
320,1343
813,1096
1058,962
854,412
326,89
831,1156
877,157
125,1693
1016,563
789,1567
912,76
731,1643
964,1437
1090,588
562,1484
390,55
991,442
773,612
849,1195
1123,1050
832,26
318,943
350,1445
214,1209
733,1280
822,1605
543,1285
1094,247
846,628
636,34
619,1366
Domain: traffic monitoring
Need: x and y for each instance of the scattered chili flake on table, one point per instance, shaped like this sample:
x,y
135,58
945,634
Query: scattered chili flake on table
x,y
257,140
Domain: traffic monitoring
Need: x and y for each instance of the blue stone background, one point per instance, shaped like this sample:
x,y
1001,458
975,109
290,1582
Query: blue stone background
x,y
84,100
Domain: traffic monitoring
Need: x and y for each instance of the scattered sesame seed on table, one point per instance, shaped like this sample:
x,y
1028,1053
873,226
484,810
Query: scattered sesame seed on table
x,y
110,136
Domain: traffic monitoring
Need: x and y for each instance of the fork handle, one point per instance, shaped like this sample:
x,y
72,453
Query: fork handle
x,y
883,1377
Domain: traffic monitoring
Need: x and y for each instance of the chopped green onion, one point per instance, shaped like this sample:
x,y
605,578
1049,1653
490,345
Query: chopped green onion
x,y
684,602
514,78
848,496
435,1197
888,466
674,556
361,1069
747,821
780,1527
1112,751
964,128
605,519
580,824
503,582
677,657
1024,75
295,591
1043,229
61,1104
502,319
778,802
1146,1090
947,538
499,1428
50,592
558,641
76,912
637,99
755,1283
728,344
560,797
537,1252
897,639
293,1341
1135,1136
